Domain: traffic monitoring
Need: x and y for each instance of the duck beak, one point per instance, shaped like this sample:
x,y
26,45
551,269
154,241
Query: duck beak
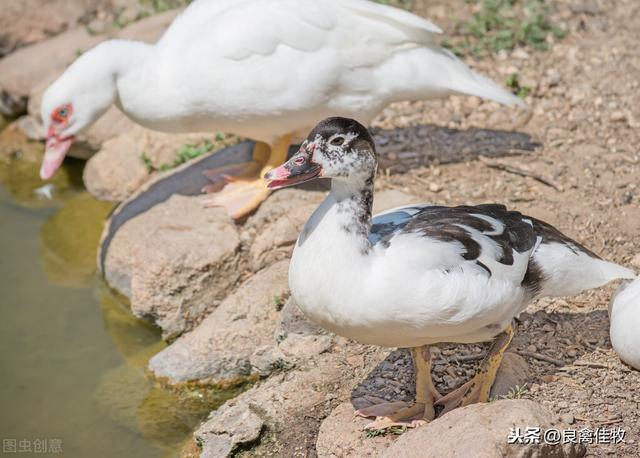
x,y
296,170
55,151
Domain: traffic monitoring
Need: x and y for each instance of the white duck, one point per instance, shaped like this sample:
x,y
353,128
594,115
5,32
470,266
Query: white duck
x,y
262,69
624,313
421,274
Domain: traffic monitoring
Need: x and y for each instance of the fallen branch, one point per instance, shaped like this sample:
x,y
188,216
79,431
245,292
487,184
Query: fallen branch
x,y
519,171
590,364
541,357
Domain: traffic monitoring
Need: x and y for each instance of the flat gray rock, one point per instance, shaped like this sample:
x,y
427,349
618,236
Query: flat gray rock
x,y
175,262
235,341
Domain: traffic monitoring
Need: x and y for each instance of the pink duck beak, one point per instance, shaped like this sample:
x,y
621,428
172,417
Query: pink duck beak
x,y
56,149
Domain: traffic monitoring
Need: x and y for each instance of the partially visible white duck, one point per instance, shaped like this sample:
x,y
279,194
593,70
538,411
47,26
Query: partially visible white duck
x,y
624,313
262,69
421,274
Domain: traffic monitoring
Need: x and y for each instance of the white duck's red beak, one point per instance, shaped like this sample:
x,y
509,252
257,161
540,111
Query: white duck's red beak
x,y
56,149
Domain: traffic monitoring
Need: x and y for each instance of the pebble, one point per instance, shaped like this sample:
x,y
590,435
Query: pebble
x,y
434,187
567,418
618,116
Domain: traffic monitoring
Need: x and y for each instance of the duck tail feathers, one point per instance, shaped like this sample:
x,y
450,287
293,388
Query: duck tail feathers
x,y
478,85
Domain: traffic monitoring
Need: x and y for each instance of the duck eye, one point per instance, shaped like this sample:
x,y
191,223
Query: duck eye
x,y
299,160
62,112
337,141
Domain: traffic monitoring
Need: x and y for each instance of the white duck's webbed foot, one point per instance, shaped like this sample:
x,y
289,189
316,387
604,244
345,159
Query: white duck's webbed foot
x,y
241,188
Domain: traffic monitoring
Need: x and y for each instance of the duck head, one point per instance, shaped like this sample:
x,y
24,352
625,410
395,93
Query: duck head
x,y
76,100
337,148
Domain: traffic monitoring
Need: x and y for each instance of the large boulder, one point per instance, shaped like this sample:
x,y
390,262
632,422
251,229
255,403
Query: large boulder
x,y
119,168
175,262
484,428
24,22
285,405
235,341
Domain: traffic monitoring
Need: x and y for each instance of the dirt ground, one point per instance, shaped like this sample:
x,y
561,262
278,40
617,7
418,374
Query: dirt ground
x,y
579,144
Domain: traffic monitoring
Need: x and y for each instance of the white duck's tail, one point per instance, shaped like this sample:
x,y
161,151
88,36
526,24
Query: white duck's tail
x,y
463,80
570,269
481,86
431,72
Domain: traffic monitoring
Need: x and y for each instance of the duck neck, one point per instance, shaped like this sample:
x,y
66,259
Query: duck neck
x,y
339,228
353,204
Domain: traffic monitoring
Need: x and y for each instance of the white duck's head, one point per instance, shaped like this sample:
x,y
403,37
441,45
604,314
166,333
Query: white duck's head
x,y
338,148
77,99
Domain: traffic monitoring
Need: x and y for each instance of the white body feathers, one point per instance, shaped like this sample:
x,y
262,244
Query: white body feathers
x,y
624,313
417,290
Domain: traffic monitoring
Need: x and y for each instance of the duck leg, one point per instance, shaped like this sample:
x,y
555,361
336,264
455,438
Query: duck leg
x,y
241,188
479,387
402,413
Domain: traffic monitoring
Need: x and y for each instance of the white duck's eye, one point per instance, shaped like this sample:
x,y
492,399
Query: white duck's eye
x,y
337,141
299,160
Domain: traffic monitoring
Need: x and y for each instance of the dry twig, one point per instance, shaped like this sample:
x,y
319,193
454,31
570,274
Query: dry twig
x,y
519,171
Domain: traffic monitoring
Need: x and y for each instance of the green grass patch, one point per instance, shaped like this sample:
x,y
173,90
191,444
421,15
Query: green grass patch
x,y
183,154
397,430
513,83
505,25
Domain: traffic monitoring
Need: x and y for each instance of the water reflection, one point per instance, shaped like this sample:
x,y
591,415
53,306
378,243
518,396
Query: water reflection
x,y
73,356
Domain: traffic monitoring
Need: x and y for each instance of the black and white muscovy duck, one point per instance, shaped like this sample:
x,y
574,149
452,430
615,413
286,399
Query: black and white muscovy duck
x,y
422,274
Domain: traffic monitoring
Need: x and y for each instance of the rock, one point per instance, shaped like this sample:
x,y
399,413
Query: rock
x,y
277,223
285,404
293,321
341,435
513,372
299,338
118,169
485,429
174,262
233,425
235,341
24,22
635,261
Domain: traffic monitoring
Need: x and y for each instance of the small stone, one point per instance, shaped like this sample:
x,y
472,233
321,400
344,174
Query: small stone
x,y
618,116
635,261
567,418
532,348
434,187
548,328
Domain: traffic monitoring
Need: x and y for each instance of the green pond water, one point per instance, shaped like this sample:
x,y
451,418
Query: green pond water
x,y
72,357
